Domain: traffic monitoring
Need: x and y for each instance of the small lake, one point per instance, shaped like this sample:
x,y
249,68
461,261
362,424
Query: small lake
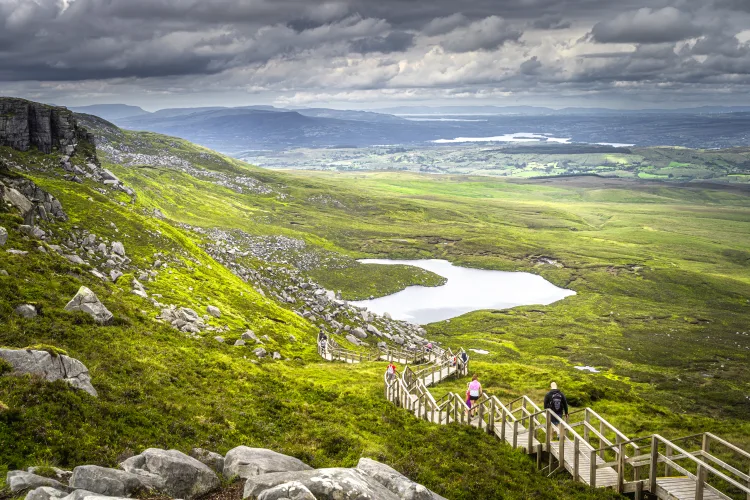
x,y
466,290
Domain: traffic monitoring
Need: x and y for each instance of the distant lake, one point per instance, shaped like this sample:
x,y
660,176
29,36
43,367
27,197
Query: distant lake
x,y
517,137
466,290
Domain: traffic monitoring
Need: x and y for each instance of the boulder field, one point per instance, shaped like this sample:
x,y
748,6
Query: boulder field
x,y
267,475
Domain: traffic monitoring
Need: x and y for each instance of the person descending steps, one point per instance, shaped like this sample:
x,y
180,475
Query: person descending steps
x,y
391,371
474,392
555,400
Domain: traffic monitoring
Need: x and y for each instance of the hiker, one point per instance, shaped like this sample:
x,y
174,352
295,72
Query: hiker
x,y
474,391
465,359
555,401
429,347
391,371
322,340
454,360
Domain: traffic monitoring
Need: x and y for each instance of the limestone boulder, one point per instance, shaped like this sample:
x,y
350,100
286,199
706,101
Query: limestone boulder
x,y
3,236
213,460
87,301
324,484
288,491
214,311
359,333
245,462
45,493
50,367
397,483
104,481
26,311
173,473
20,481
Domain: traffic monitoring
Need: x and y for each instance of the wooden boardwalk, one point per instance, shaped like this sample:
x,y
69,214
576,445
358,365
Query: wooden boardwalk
x,y
587,447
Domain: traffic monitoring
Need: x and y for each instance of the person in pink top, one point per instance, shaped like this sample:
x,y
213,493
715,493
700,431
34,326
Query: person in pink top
x,y
474,392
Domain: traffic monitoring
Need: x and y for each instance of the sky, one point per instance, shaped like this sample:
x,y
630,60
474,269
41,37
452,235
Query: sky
x,y
365,54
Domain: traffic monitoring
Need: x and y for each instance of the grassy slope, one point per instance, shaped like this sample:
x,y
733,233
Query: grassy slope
x,y
159,388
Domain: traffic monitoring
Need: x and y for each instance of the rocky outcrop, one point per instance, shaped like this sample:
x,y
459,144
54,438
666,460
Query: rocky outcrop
x,y
173,473
87,301
245,462
25,124
50,367
45,493
21,193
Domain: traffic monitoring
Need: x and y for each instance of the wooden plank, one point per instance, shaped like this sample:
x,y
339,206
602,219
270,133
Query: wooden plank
x,y
682,488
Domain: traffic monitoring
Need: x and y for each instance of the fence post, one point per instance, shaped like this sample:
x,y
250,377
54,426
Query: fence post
x,y
601,431
700,478
576,461
654,465
548,432
502,427
532,430
586,423
515,434
481,414
592,469
620,468
561,448
491,426
667,468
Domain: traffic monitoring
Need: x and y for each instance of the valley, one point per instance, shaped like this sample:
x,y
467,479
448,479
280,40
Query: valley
x,y
660,273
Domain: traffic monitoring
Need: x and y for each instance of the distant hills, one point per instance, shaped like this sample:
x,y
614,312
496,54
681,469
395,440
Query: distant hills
x,y
235,130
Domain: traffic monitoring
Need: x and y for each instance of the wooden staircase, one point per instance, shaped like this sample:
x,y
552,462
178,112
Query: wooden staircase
x,y
586,446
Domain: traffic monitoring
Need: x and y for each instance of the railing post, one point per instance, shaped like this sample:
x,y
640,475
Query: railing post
x,y
532,430
592,469
586,423
523,418
502,427
667,468
576,460
481,415
491,426
700,480
548,432
637,469
601,431
561,447
620,468
653,467
515,434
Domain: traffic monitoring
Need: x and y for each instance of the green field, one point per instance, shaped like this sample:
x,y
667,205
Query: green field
x,y
662,275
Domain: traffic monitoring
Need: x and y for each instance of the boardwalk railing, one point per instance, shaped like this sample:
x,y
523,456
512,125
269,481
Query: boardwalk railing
x,y
586,445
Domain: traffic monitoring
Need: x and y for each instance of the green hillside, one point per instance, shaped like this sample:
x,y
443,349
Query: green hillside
x,y
662,275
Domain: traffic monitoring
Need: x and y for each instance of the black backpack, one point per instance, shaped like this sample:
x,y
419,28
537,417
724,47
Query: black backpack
x,y
556,402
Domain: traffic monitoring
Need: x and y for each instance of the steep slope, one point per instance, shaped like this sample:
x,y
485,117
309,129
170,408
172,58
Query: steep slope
x,y
162,215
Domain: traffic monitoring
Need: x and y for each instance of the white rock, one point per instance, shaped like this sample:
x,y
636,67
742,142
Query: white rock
x,y
87,301
213,311
26,310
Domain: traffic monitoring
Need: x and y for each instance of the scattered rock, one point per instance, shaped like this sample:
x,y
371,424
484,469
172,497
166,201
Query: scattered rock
x,y
219,339
400,485
260,352
245,462
108,482
172,473
20,481
115,275
324,484
87,301
214,311
50,367
75,259
3,236
288,491
26,310
45,493
359,333
276,355
118,249
239,342
213,460
250,335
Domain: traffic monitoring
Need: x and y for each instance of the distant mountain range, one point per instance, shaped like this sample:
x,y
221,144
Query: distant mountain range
x,y
241,129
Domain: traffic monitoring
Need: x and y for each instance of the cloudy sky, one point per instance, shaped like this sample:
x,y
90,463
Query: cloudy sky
x,y
377,53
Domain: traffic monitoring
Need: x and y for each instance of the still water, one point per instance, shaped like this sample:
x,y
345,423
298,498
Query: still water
x,y
466,290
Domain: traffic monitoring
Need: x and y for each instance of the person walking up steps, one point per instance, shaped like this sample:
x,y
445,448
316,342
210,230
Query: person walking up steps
x,y
555,400
475,392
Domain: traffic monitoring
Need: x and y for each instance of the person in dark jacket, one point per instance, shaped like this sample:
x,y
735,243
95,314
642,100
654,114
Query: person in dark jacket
x,y
555,401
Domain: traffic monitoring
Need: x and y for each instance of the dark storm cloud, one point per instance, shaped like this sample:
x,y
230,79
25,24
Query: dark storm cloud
x,y
647,26
304,45
398,41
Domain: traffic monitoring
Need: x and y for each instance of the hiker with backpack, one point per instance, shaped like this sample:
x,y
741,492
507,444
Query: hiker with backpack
x,y
555,400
